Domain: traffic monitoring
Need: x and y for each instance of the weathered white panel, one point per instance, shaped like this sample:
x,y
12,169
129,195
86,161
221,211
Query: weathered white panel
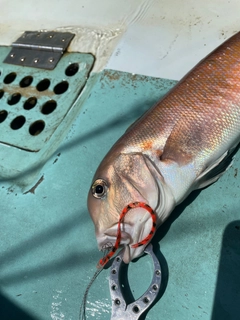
x,y
157,38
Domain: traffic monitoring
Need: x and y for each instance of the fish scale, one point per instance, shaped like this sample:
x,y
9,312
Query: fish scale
x,y
207,97
185,142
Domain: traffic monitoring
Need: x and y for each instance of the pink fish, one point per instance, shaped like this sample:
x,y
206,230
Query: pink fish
x,y
183,143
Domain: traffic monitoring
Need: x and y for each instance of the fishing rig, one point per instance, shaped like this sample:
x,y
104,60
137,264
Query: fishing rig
x,y
120,309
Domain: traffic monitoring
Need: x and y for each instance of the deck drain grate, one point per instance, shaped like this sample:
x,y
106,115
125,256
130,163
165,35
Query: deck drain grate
x,y
33,102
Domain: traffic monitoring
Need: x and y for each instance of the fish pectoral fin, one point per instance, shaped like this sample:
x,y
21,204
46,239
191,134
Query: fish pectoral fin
x,y
216,170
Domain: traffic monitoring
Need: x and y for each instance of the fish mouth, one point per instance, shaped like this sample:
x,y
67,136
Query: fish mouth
x,y
131,233
108,238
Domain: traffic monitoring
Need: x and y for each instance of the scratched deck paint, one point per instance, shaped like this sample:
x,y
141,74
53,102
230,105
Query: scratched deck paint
x,y
48,251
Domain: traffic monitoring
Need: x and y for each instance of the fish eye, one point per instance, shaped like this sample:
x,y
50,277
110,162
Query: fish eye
x,y
99,188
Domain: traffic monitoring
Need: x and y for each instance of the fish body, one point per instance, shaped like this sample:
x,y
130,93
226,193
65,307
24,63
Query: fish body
x,y
183,143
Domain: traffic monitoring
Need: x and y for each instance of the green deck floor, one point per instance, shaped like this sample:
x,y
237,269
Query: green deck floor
x,y
48,250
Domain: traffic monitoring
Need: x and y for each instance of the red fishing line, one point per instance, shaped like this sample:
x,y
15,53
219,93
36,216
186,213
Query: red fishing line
x,y
130,206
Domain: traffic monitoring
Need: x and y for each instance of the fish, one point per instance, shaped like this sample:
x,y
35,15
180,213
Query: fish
x,y
185,142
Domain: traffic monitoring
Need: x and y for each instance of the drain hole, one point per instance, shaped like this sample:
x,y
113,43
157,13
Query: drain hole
x,y
36,127
10,78
158,272
3,115
135,309
1,93
72,69
146,299
61,87
30,103
18,122
14,99
26,81
43,85
49,107
117,302
155,287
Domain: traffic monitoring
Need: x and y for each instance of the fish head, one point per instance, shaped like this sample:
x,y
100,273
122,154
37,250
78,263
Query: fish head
x,y
118,182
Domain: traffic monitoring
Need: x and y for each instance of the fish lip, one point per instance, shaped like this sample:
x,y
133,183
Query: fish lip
x,y
108,238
